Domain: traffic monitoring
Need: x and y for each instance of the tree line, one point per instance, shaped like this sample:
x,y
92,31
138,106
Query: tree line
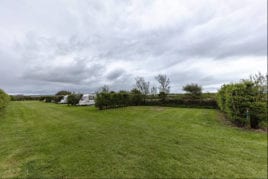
x,y
143,95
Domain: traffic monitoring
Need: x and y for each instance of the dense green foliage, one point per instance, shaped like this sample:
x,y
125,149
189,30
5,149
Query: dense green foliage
x,y
51,99
193,91
106,100
25,97
184,102
45,140
4,99
73,99
48,99
243,103
63,92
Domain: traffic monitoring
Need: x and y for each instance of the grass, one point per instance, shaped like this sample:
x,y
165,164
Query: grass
x,y
48,140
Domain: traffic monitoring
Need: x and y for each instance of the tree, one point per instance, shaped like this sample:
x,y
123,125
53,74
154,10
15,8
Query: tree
x,y
194,90
154,90
260,83
63,92
104,89
164,82
73,99
142,85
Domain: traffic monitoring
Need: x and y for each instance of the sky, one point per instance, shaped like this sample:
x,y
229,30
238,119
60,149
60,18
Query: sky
x,y
81,45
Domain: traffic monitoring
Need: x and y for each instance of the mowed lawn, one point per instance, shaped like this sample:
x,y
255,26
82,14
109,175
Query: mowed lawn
x,y
48,140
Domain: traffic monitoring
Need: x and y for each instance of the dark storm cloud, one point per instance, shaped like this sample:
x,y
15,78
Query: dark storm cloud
x,y
82,45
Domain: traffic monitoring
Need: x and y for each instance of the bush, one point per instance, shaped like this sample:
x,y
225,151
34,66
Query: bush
x,y
47,99
4,99
162,95
73,99
63,92
257,113
24,98
136,97
204,103
106,100
240,102
193,91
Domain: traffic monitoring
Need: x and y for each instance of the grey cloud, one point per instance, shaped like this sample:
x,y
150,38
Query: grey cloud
x,y
82,45
115,74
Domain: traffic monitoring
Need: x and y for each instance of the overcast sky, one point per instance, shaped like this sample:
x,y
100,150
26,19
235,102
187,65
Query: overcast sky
x,y
81,45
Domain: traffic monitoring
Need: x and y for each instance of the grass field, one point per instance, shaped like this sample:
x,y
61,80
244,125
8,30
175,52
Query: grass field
x,y
48,140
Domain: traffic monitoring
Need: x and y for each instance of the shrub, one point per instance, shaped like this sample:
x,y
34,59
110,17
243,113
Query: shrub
x,y
62,93
162,95
257,113
136,97
47,99
73,99
25,98
106,100
193,91
240,102
4,99
58,98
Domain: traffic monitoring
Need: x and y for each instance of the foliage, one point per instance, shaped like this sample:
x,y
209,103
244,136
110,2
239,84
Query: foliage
x,y
62,93
162,95
48,99
258,113
193,90
136,97
106,100
243,102
183,102
142,85
73,99
4,99
25,97
164,82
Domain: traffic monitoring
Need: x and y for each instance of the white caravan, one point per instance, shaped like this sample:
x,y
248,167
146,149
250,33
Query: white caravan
x,y
64,100
87,99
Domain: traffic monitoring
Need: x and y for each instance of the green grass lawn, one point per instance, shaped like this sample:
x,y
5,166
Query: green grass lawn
x,y
48,140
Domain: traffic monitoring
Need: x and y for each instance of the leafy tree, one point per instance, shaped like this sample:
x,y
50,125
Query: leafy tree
x,y
260,82
142,86
73,99
62,93
164,82
194,90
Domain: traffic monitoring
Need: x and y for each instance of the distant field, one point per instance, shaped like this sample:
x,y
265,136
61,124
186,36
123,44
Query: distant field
x,y
48,140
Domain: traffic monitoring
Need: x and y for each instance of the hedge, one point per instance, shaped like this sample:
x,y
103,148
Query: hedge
x,y
240,102
106,100
4,99
73,99
24,98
